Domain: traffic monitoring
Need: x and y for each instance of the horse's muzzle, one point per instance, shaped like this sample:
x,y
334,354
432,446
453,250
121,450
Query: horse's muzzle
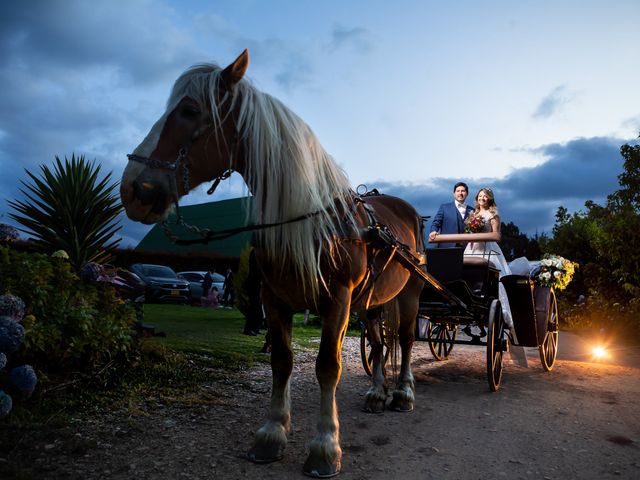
x,y
148,193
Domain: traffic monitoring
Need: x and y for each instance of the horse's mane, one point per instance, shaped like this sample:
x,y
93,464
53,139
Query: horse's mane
x,y
288,171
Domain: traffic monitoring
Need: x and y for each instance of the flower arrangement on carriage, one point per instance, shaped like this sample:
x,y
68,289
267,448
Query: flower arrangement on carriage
x,y
555,271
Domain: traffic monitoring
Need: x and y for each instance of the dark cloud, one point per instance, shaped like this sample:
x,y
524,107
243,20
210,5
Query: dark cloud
x,y
53,39
574,172
552,103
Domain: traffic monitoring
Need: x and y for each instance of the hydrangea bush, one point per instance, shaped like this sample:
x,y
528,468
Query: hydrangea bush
x,y
71,324
11,306
8,233
21,380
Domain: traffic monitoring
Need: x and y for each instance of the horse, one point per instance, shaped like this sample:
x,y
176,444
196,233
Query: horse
x,y
312,243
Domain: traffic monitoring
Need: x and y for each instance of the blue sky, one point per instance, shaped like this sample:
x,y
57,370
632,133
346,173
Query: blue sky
x,y
533,99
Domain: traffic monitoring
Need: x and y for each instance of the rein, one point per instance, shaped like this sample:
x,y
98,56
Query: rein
x,y
213,235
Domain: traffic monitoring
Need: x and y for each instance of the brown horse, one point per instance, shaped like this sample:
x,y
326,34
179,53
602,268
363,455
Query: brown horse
x,y
316,256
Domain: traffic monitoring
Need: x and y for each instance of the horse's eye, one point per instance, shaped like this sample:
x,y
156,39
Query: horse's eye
x,y
190,111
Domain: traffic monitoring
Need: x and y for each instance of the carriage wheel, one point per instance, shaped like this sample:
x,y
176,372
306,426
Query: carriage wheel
x,y
549,347
441,337
366,353
496,345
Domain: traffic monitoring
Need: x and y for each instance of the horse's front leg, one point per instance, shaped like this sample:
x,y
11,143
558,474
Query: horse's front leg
x,y
325,454
376,396
271,439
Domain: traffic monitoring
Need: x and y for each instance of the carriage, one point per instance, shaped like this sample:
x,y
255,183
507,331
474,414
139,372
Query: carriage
x,y
462,296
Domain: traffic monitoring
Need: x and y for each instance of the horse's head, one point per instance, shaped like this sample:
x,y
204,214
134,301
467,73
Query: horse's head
x,y
193,142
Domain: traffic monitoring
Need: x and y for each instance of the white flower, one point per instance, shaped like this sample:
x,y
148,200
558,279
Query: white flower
x,y
557,274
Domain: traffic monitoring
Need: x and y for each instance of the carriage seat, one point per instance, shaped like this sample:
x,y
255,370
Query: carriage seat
x,y
475,272
475,260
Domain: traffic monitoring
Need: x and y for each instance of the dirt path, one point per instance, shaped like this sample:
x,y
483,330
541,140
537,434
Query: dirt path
x,y
580,421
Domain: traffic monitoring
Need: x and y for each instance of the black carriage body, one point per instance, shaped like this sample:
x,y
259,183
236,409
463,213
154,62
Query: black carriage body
x,y
473,281
529,308
463,290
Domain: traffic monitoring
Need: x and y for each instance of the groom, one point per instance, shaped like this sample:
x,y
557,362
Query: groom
x,y
451,216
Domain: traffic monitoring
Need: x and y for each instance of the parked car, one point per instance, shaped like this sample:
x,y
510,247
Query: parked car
x,y
195,279
163,284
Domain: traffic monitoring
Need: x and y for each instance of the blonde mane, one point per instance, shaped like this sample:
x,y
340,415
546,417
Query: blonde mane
x,y
287,170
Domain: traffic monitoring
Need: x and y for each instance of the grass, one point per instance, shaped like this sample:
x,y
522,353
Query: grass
x,y
217,333
206,332
200,345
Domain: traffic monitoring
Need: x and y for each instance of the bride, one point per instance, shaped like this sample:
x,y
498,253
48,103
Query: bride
x,y
487,210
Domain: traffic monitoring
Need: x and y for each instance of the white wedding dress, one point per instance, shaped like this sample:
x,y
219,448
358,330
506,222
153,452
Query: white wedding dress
x,y
493,252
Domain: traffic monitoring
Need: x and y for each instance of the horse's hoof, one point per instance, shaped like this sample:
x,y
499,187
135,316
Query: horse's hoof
x,y
320,468
265,453
401,407
400,403
371,406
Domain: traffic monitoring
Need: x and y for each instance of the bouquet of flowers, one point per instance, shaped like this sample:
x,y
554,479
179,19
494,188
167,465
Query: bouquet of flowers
x,y
474,223
555,271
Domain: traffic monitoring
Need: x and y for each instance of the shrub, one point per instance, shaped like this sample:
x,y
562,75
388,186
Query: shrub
x,y
22,380
11,335
68,322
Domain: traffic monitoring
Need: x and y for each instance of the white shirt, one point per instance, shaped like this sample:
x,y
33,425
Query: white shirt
x,y
462,208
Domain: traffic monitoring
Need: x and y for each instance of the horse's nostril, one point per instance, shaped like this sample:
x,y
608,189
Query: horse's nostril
x,y
146,192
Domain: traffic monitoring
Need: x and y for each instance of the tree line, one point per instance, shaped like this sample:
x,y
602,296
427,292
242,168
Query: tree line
x,y
605,241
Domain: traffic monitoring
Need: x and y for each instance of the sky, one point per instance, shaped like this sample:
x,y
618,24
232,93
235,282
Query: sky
x,y
530,98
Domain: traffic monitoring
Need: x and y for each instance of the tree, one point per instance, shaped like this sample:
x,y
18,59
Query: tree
x,y
619,223
515,244
70,209
629,179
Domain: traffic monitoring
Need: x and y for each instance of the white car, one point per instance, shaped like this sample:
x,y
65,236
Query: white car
x,y
195,279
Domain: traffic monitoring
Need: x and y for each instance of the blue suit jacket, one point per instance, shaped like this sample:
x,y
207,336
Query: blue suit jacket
x,y
448,220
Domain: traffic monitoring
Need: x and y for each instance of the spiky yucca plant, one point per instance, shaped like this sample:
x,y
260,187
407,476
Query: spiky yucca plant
x,y
70,209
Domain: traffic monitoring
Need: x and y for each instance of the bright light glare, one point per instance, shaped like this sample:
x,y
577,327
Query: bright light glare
x,y
600,352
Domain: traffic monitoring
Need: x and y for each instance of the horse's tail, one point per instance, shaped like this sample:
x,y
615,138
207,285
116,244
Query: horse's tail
x,y
391,315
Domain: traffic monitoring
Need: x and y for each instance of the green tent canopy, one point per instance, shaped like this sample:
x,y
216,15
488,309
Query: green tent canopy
x,y
221,215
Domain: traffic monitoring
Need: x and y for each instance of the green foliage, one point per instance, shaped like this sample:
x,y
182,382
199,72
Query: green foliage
x,y
606,244
573,237
629,179
69,323
70,209
515,244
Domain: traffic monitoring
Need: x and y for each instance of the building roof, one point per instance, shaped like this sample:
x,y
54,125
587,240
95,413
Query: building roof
x,y
216,216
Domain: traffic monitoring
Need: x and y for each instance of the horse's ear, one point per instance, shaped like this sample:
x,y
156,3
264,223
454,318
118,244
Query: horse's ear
x,y
234,72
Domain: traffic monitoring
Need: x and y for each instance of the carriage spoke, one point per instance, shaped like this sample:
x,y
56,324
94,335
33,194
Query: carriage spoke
x,y
440,337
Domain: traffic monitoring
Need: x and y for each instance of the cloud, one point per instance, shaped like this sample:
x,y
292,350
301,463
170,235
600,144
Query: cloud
x,y
552,103
57,37
574,172
357,38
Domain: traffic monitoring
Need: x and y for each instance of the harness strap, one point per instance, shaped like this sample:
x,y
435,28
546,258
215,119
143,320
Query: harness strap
x,y
213,235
